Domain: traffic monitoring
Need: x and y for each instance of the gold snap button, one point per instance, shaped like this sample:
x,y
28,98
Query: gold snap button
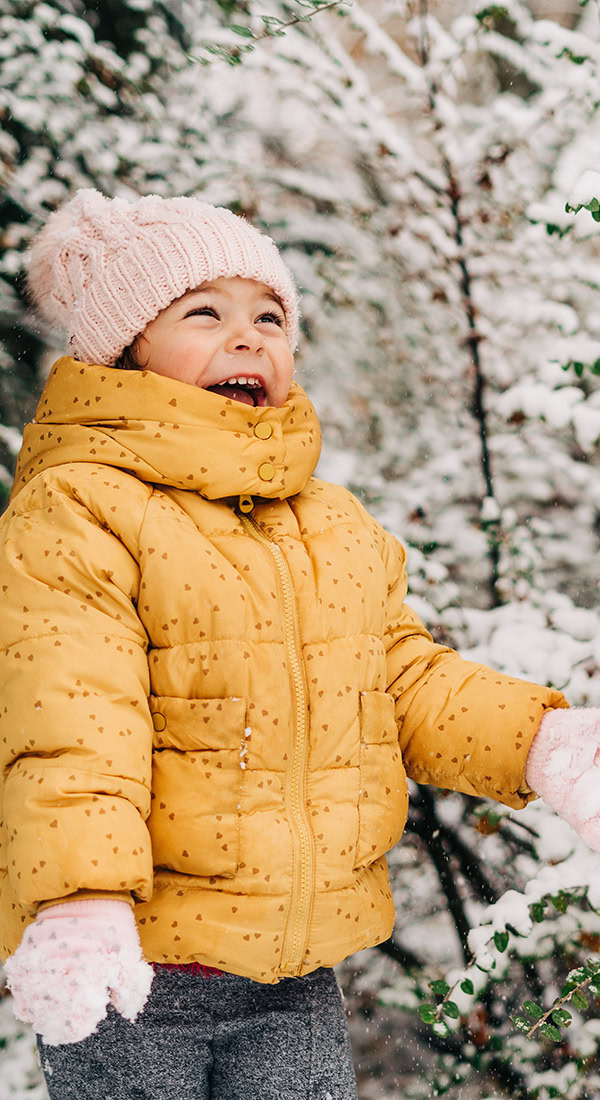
x,y
159,722
266,471
263,430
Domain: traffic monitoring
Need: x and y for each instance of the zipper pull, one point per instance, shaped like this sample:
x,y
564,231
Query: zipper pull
x,y
245,504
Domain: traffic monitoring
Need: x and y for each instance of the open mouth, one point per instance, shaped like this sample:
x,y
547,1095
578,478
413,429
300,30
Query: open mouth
x,y
250,391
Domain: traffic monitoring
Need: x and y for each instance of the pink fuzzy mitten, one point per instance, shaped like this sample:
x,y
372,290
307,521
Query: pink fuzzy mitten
x,y
71,962
563,767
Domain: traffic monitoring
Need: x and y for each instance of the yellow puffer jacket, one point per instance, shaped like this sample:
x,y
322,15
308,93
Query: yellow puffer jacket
x,y
202,692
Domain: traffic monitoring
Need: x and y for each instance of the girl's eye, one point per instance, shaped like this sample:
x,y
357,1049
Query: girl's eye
x,y
200,310
210,311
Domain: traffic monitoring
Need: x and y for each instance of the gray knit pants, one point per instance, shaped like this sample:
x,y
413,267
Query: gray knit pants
x,y
214,1038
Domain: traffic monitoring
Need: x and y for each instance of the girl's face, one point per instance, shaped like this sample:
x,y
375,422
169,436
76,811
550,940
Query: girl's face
x,y
227,336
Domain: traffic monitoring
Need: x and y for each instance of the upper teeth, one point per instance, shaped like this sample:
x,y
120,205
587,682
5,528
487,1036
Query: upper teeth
x,y
241,382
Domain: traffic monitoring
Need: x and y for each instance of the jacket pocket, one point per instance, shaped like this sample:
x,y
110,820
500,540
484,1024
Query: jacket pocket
x,y
383,794
197,773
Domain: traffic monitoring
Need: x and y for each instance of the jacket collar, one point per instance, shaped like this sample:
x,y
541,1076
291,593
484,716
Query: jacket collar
x,y
170,433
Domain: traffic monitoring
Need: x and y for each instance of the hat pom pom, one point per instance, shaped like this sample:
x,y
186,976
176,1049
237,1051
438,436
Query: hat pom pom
x,y
49,275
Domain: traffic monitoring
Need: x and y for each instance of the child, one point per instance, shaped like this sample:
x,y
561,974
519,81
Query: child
x,y
212,686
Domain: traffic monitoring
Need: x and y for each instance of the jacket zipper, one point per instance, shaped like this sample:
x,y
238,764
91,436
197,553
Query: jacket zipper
x,y
303,872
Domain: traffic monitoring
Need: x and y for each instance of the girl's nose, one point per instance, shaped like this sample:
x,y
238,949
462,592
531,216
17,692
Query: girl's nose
x,y
244,338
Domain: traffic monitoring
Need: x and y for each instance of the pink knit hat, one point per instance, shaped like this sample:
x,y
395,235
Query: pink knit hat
x,y
102,269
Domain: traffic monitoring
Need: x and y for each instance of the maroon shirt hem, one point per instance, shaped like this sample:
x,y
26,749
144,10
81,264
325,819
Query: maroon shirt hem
x,y
190,968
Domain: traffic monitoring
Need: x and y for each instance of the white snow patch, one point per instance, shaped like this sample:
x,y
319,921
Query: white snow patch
x,y
586,189
490,511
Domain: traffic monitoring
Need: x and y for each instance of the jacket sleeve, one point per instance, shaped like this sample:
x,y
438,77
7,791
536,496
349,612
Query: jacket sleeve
x,y
75,726
462,726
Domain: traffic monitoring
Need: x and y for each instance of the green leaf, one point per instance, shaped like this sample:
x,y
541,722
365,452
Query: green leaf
x,y
501,940
451,1009
428,1013
212,48
197,60
245,32
521,1023
579,369
439,988
533,1010
579,1000
492,14
577,59
467,986
538,907
561,1017
579,975
593,206
561,901
486,969
272,25
551,1032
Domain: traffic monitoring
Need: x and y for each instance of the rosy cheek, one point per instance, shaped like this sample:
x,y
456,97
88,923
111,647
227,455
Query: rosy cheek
x,y
193,360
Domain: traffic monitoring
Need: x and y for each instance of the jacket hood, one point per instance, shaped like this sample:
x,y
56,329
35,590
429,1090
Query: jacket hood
x,y
168,432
